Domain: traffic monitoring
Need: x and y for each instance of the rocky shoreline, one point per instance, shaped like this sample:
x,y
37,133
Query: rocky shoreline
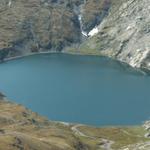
x,y
143,71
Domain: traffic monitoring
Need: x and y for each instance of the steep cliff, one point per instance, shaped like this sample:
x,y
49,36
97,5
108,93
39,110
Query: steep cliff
x,y
124,34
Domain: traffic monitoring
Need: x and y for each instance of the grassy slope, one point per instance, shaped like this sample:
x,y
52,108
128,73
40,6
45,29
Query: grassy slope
x,y
20,129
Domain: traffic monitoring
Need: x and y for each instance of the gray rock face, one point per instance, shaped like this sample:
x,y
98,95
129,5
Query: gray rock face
x,y
131,32
125,33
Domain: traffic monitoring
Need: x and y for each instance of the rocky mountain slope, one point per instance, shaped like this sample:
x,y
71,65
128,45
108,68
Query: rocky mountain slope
x,y
43,25
116,28
21,129
124,34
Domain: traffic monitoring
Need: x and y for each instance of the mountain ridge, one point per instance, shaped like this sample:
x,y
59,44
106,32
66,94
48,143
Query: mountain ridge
x,y
113,28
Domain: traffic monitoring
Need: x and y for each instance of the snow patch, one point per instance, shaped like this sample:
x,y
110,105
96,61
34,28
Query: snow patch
x,y
93,32
81,26
9,3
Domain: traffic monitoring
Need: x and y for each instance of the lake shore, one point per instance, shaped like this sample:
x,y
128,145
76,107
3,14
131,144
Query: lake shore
x,y
144,72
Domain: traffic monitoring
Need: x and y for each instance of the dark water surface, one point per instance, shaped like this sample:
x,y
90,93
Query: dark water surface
x,y
84,89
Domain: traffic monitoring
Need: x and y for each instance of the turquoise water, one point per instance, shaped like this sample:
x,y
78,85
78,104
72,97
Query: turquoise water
x,y
81,89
